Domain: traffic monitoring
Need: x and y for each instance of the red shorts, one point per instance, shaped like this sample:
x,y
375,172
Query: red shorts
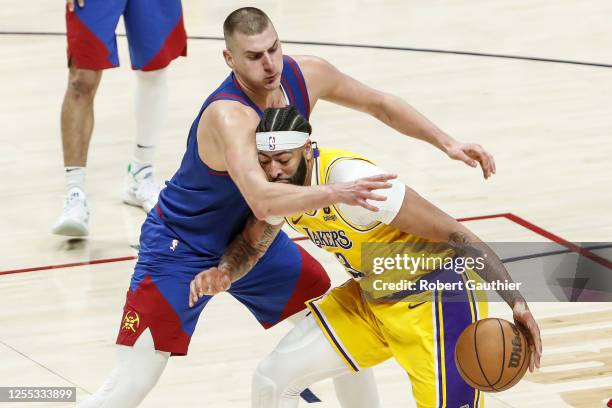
x,y
155,31
276,288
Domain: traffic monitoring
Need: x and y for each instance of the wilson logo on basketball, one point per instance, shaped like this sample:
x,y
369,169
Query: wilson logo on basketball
x,y
517,349
130,320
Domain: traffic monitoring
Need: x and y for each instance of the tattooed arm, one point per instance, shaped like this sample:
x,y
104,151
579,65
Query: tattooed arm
x,y
239,258
468,245
419,217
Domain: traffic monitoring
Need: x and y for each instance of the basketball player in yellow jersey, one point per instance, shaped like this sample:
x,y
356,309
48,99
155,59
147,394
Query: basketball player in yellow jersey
x,y
370,318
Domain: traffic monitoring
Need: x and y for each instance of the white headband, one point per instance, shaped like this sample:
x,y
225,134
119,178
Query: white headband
x,y
281,140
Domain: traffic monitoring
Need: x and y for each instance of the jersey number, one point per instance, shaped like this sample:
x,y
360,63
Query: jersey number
x,y
354,272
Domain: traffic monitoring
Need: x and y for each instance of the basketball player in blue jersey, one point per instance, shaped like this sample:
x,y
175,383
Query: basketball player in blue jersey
x,y
156,36
370,318
220,182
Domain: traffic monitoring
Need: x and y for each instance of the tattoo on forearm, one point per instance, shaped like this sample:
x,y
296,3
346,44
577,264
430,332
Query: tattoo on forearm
x,y
248,247
494,269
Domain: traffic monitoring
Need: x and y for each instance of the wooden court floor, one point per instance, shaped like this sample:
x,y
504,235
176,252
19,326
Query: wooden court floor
x,y
548,124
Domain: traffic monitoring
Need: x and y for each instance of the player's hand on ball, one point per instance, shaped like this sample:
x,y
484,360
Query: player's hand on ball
x,y
209,282
526,323
470,154
70,4
360,190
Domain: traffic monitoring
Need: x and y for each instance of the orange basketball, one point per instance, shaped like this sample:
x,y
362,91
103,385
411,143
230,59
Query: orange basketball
x,y
492,355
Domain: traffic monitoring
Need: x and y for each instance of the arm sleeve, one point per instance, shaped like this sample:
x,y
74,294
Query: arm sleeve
x,y
351,170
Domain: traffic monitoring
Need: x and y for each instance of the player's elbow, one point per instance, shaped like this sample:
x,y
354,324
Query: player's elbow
x,y
261,209
261,212
380,107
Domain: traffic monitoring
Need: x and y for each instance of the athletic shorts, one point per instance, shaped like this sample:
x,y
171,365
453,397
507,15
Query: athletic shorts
x,y
420,335
158,299
155,31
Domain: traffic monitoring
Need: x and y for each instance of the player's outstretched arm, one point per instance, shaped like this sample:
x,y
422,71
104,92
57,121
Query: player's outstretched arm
x,y
235,132
326,82
419,217
239,258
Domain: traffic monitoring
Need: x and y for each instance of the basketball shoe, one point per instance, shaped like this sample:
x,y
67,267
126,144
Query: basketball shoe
x,y
74,221
141,189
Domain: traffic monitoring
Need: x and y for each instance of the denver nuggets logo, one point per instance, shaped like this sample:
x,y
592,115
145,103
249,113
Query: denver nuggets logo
x,y
131,321
272,143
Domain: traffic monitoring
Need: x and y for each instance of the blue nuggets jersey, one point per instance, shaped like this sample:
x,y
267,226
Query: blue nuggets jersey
x,y
198,214
201,206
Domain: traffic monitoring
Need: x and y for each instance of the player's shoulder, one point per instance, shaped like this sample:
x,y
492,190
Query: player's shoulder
x,y
230,114
310,64
342,165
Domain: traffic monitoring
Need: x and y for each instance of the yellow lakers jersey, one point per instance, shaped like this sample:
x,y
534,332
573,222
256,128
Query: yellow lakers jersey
x,y
329,229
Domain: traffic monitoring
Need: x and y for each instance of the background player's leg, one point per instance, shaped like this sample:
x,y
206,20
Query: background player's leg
x,y
92,47
156,36
77,123
303,357
77,118
137,371
151,106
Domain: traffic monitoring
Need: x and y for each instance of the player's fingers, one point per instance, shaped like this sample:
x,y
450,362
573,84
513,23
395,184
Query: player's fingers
x,y
477,153
378,185
486,169
193,296
370,186
381,177
537,342
532,332
363,203
492,162
465,158
196,285
485,163
207,285
81,3
375,197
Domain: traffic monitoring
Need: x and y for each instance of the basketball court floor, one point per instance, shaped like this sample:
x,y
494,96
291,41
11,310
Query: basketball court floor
x,y
546,120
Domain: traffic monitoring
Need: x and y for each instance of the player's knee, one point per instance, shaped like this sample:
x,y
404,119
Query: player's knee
x,y
263,389
83,83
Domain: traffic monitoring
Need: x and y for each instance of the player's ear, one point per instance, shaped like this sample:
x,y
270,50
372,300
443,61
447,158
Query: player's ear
x,y
308,150
229,59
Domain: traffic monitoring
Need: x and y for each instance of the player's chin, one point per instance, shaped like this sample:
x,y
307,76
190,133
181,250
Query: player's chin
x,y
271,83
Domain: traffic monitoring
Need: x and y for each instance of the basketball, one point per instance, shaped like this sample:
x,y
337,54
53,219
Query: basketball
x,y
492,355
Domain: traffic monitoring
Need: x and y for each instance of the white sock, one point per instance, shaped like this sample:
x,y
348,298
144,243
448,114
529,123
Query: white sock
x,y
151,111
75,178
